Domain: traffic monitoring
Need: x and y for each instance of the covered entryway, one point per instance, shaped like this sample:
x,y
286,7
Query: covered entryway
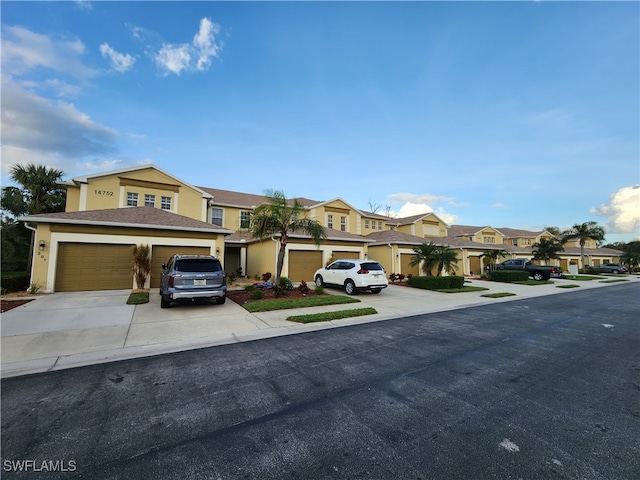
x,y
161,253
474,266
93,266
303,264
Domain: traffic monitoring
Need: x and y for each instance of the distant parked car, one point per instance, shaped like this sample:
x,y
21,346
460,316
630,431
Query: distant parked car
x,y
611,268
186,277
537,272
353,275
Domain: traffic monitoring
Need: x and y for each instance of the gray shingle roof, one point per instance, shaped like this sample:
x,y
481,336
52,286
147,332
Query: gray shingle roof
x,y
245,200
134,217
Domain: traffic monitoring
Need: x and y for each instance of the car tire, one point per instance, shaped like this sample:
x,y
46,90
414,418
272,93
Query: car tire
x,y
616,271
349,287
164,303
376,290
319,281
537,276
221,300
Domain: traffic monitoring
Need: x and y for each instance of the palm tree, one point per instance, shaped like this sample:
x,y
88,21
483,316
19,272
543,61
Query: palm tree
x,y
40,193
41,189
277,216
583,232
447,259
546,249
493,255
425,254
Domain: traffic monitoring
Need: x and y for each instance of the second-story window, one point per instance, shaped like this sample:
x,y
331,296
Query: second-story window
x,y
379,225
216,216
165,203
245,219
132,199
366,224
330,221
343,224
373,225
488,239
149,200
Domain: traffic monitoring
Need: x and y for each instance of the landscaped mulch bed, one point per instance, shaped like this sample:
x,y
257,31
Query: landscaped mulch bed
x,y
6,305
242,296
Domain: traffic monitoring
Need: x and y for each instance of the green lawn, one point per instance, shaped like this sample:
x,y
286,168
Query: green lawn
x,y
328,316
498,295
461,290
287,303
138,298
569,285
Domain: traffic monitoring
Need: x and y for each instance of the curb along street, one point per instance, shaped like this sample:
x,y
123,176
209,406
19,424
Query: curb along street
x,y
66,330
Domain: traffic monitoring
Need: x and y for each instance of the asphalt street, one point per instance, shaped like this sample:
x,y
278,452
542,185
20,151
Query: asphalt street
x,y
547,387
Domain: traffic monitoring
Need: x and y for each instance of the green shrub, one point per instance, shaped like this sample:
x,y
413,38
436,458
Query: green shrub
x,y
17,282
286,284
256,294
429,283
319,290
509,276
249,288
436,283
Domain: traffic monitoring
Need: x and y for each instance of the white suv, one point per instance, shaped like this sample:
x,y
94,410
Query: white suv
x,y
353,275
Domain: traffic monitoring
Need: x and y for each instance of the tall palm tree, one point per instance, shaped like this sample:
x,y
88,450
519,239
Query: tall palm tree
x,y
40,193
546,249
493,255
583,232
447,259
425,254
41,189
277,216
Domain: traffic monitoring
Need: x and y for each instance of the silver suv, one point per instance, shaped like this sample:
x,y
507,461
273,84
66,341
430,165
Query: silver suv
x,y
186,277
353,275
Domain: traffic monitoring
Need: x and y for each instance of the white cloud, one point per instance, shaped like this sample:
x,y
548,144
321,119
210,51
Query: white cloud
x,y
396,198
37,130
622,211
120,62
174,58
84,4
24,50
498,205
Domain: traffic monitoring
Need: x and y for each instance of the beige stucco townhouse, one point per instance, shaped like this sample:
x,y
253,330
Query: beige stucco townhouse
x,y
88,247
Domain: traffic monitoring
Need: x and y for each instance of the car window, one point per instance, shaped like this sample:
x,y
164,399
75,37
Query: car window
x,y
371,266
198,265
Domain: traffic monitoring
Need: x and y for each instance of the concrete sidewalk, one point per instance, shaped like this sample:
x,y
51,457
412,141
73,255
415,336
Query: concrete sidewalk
x,y
66,330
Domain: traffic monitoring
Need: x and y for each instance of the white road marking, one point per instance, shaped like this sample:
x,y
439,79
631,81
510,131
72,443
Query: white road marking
x,y
509,445
607,325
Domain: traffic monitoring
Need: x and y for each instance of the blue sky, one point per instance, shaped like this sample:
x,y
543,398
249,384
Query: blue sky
x,y
509,114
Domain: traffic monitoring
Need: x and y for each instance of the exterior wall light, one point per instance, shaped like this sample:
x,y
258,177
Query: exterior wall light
x,y
41,245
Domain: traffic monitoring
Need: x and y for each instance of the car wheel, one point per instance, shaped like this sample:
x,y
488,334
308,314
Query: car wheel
x,y
616,271
537,276
349,287
164,303
376,290
319,281
221,300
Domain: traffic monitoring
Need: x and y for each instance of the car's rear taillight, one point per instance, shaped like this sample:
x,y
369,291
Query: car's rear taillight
x,y
172,280
362,271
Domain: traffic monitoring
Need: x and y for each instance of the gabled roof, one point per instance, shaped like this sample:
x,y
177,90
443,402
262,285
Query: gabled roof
x,y
414,219
86,178
229,198
131,217
457,230
519,233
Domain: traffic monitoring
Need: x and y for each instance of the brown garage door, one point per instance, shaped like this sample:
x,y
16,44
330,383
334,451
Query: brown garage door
x,y
405,260
161,253
303,264
93,266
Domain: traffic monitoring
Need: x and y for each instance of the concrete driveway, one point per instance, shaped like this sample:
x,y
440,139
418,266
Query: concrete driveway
x,y
65,330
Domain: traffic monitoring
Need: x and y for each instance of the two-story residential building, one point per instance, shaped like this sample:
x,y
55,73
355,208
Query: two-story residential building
x,y
88,247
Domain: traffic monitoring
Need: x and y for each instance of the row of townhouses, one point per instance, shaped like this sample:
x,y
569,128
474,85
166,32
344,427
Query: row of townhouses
x,y
88,247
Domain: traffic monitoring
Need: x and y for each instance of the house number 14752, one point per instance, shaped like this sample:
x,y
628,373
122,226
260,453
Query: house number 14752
x,y
103,192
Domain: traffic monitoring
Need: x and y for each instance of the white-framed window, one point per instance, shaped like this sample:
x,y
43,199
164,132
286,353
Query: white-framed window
x,y
245,219
373,225
379,225
216,216
366,224
488,239
165,203
330,221
149,200
132,199
343,224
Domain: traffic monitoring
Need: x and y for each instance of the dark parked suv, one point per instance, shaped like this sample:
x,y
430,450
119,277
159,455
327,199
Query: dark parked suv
x,y
187,277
